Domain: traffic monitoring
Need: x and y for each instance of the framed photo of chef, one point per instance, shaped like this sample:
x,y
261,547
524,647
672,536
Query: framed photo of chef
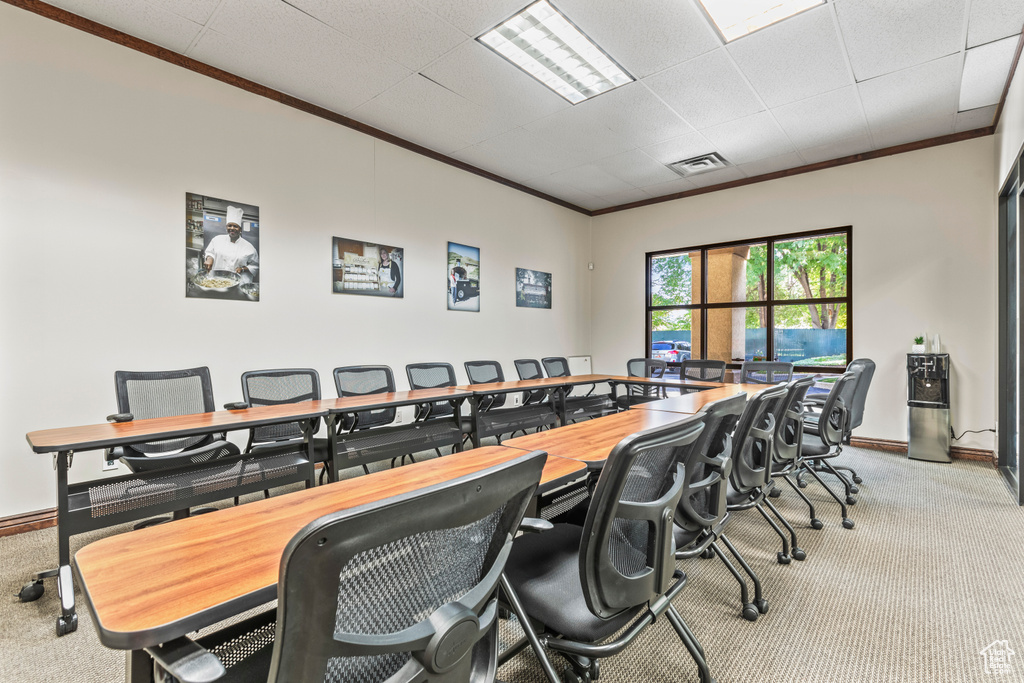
x,y
463,277
222,249
367,268
533,288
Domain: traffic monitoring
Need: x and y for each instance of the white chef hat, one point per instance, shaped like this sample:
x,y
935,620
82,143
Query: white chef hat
x,y
234,215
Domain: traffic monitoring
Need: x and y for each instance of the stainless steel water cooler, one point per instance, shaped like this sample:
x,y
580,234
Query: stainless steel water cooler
x,y
928,398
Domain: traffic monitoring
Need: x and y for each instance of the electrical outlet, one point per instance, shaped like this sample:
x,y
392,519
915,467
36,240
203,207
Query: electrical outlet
x,y
517,399
399,416
109,462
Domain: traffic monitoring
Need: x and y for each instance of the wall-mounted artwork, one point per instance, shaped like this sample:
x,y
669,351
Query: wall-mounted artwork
x,y
222,244
463,277
368,268
533,288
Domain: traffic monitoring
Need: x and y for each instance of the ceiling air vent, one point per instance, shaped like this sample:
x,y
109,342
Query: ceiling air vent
x,y
696,165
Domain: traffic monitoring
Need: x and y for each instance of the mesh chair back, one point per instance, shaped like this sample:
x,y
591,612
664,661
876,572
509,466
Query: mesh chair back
x,y
636,367
165,394
528,368
405,584
556,366
706,473
753,440
702,370
789,422
833,422
627,555
485,372
274,387
432,376
765,372
363,380
865,370
644,367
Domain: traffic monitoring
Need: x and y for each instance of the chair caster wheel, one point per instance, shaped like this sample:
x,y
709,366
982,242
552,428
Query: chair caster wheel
x,y
31,592
858,480
762,605
850,500
847,523
854,489
799,555
774,493
707,554
817,524
801,484
782,557
68,625
750,612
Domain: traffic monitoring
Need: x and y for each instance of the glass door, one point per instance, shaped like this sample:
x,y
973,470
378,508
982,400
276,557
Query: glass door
x,y
1011,209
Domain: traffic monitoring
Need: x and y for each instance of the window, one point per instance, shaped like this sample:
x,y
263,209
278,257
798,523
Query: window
x,y
720,301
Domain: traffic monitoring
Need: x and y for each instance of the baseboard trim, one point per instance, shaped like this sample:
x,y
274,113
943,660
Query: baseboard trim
x,y
28,521
891,446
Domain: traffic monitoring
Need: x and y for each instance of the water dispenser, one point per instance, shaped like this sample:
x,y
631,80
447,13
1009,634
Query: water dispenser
x,y
928,399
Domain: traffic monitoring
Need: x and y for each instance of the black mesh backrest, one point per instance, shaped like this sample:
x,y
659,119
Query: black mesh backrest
x,y
702,370
485,372
556,366
636,367
274,387
165,394
644,367
359,587
363,380
765,372
752,442
789,422
528,368
865,370
432,376
833,422
706,472
627,555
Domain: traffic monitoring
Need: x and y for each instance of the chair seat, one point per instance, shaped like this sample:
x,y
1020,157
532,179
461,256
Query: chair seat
x,y
814,448
734,497
545,569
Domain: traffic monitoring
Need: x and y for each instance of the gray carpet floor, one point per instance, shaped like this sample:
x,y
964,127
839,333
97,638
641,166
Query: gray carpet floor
x,y
932,574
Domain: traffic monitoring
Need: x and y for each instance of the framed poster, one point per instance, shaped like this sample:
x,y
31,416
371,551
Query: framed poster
x,y
533,288
367,268
463,277
222,243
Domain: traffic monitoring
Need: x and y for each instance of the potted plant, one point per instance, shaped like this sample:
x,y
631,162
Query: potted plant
x,y
918,346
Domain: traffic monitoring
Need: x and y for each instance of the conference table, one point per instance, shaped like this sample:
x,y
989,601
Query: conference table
x,y
690,404
159,583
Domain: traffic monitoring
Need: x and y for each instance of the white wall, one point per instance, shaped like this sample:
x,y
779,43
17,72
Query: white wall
x,y
924,228
98,146
1010,130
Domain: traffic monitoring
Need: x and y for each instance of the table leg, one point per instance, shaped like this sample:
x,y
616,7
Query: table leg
x,y
67,622
307,436
474,406
457,411
138,667
560,396
332,446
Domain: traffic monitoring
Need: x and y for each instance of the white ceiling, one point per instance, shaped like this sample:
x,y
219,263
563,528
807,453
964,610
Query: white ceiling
x,y
845,78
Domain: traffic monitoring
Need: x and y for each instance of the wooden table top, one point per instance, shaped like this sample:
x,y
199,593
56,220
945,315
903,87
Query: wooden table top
x,y
148,586
591,441
390,399
692,403
108,434
661,381
546,382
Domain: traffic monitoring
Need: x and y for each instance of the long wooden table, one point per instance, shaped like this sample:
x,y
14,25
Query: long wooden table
x,y
159,583
692,403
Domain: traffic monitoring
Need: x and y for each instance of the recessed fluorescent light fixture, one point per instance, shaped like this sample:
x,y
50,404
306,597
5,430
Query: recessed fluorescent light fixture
x,y
544,44
736,18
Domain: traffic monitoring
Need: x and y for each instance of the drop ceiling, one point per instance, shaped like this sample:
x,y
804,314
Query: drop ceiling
x,y
844,78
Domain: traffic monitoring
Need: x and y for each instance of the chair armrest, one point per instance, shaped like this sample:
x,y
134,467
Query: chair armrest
x,y
187,661
120,417
816,399
535,525
237,405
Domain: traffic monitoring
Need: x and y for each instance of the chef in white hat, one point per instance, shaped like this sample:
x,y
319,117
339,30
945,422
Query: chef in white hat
x,y
231,251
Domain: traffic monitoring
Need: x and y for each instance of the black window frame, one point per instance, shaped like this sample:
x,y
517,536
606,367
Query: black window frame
x,y
770,302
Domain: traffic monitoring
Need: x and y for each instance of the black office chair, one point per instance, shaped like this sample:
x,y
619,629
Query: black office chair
x,y
364,380
144,395
765,372
403,589
635,393
579,586
578,407
823,436
702,370
495,418
433,376
788,451
864,368
528,368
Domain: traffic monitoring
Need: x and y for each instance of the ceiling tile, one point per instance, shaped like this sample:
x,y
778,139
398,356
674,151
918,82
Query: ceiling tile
x,y
883,36
920,92
439,112
749,139
635,113
706,91
483,77
815,121
772,164
141,19
677,149
636,168
592,180
919,129
976,118
670,187
794,59
725,175
198,11
994,19
624,197
644,37
836,149
474,17
581,133
517,154
985,70
401,29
